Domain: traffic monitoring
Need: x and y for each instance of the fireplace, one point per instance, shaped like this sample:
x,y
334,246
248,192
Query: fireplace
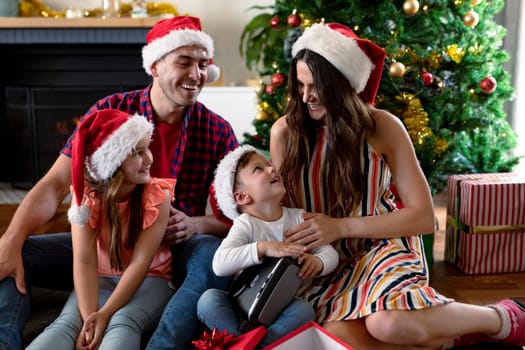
x,y
51,77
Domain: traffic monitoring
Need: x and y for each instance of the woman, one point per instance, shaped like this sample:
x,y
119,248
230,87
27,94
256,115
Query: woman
x,y
338,155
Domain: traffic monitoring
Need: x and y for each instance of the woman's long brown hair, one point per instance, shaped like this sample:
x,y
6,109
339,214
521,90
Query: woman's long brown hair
x,y
108,190
348,121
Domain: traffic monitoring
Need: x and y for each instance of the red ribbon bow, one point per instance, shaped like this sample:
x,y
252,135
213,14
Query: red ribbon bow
x,y
213,340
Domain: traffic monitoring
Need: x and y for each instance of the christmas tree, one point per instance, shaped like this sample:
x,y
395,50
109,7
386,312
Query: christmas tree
x,y
443,76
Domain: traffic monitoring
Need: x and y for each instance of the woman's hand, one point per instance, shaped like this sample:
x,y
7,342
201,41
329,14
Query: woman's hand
x,y
316,230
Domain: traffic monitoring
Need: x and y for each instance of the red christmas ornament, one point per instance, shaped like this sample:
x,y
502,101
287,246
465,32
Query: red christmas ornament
x,y
269,90
294,20
278,79
488,85
427,78
274,22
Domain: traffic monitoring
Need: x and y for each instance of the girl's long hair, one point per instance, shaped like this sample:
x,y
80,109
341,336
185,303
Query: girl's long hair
x,y
348,122
107,192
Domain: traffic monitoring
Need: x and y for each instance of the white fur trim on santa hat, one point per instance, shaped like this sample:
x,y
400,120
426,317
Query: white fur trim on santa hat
x,y
224,179
213,73
78,214
155,50
117,147
341,51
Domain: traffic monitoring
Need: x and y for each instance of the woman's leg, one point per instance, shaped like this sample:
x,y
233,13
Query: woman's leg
x,y
62,334
215,310
140,314
355,333
502,322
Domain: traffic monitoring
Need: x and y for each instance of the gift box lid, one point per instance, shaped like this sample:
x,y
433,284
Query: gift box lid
x,y
454,182
493,202
310,336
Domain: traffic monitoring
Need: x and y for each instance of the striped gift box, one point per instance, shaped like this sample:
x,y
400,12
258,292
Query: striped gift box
x,y
491,228
454,205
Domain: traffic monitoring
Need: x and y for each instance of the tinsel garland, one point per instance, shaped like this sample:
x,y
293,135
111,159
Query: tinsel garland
x,y
36,8
416,121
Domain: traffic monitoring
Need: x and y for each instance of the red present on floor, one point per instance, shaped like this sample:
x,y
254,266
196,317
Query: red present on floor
x,y
222,340
249,340
311,336
486,223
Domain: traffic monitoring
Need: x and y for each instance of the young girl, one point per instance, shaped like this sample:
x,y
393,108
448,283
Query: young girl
x,y
249,191
118,218
338,156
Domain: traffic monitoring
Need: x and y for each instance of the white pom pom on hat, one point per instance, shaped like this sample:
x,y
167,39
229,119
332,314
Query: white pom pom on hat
x,y
225,178
360,61
169,34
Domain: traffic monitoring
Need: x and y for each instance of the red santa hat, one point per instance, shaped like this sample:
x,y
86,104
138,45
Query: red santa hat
x,y
359,60
169,34
225,178
104,139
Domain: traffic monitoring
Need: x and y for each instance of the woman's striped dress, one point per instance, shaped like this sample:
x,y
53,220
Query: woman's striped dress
x,y
373,274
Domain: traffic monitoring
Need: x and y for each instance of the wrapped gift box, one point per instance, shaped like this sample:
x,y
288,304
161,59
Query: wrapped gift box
x,y
311,336
249,340
486,223
216,340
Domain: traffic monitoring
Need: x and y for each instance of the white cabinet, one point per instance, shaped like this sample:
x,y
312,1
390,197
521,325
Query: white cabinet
x,y
237,104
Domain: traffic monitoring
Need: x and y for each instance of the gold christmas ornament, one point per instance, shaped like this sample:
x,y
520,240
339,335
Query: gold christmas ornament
x,y
475,2
261,116
410,7
260,88
471,18
438,83
397,70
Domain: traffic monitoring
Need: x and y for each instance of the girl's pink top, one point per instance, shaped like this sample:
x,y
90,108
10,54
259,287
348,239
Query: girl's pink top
x,y
154,194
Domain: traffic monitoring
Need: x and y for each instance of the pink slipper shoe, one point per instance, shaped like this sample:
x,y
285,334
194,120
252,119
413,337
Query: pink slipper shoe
x,y
512,315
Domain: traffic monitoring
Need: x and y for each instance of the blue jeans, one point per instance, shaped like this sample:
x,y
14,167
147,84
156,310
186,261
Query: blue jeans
x,y
125,327
49,258
48,263
215,310
193,272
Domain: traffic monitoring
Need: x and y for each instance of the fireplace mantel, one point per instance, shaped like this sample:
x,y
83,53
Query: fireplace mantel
x,y
42,22
39,30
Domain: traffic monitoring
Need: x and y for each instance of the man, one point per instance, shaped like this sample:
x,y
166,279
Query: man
x,y
188,142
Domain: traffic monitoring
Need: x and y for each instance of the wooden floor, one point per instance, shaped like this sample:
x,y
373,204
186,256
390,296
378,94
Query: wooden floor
x,y
446,278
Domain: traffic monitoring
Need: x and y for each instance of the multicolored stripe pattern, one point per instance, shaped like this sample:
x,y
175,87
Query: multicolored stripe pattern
x,y
373,275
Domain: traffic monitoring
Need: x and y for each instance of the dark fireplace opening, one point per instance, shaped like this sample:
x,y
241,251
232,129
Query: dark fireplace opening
x,y
44,93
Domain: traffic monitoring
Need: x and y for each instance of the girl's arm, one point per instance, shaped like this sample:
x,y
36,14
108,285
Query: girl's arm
x,y
144,251
85,266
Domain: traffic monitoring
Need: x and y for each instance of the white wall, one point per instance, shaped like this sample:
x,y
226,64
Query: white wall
x,y
237,104
224,20
519,103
